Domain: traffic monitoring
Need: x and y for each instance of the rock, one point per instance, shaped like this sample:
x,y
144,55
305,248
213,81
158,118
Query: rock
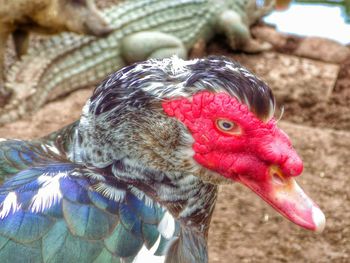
x,y
269,34
281,42
322,49
317,48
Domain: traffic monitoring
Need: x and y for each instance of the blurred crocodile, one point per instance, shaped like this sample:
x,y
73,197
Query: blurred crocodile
x,y
142,29
21,17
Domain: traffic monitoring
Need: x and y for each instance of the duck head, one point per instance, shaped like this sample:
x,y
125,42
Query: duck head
x,y
211,118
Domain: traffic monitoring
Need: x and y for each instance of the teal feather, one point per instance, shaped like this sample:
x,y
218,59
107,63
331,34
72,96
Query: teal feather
x,y
130,220
104,203
7,165
14,158
25,227
59,245
149,213
123,243
16,155
107,257
163,245
3,241
88,221
15,252
150,234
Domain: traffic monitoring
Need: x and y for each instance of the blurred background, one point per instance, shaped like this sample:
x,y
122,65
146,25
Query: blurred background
x,y
308,70
323,18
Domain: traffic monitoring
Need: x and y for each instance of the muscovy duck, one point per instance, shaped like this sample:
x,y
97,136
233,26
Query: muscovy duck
x,y
135,179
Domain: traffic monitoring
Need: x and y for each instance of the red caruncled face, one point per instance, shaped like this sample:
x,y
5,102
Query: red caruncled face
x,y
232,141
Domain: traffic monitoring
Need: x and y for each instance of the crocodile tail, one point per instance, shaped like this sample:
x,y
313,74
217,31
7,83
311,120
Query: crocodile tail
x,y
66,62
25,75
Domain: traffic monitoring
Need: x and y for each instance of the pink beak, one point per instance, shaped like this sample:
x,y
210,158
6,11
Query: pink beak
x,y
286,196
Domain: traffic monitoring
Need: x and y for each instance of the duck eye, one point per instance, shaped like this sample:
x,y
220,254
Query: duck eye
x,y
227,126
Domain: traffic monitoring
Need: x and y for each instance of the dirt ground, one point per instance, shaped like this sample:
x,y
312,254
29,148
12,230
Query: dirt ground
x,y
244,228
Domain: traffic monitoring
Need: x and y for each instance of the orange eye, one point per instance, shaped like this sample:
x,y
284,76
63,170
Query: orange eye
x,y
227,126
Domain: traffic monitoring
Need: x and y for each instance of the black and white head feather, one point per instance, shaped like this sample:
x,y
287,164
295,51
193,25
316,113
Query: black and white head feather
x,y
145,84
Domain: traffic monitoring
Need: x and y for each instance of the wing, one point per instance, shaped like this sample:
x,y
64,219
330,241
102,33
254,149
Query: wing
x,y
52,210
16,155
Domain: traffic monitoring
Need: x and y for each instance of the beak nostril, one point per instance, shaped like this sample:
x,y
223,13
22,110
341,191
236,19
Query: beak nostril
x,y
277,178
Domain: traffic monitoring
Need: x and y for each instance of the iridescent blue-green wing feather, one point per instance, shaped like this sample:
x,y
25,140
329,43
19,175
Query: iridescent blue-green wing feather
x,y
17,155
54,211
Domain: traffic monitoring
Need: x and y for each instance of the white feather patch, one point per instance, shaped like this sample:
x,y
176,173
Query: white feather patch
x,y
52,149
110,192
166,226
147,256
9,204
49,194
142,196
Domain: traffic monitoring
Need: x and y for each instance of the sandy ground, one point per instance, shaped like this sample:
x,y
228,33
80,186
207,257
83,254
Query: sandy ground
x,y
244,228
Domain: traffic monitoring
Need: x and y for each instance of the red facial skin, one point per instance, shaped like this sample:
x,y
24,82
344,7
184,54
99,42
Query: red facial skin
x,y
250,154
246,157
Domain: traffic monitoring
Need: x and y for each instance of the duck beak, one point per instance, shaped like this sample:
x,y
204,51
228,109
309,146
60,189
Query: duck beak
x,y
286,196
